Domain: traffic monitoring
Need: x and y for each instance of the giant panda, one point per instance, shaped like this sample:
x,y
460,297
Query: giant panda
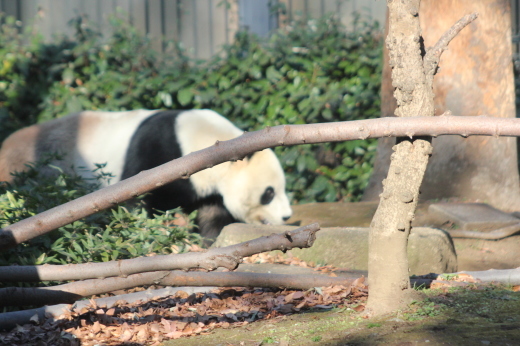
x,y
251,190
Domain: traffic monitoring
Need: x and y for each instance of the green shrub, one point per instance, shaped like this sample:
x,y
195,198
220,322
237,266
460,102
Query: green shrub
x,y
309,72
29,67
114,234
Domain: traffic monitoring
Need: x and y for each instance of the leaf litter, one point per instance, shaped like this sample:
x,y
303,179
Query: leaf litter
x,y
185,315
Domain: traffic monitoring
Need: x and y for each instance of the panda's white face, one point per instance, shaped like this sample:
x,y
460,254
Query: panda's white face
x,y
254,190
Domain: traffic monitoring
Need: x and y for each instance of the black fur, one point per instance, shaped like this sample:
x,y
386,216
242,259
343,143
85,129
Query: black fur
x,y
155,143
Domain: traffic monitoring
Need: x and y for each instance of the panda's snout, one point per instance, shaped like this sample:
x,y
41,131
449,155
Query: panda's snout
x,y
285,218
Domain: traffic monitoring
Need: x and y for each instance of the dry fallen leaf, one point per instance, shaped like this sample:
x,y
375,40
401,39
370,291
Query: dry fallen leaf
x,y
183,315
359,308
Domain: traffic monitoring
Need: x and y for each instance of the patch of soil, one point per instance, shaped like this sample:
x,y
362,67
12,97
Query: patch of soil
x,y
462,316
182,315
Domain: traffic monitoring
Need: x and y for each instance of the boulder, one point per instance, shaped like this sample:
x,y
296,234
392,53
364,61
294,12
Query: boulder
x,y
430,250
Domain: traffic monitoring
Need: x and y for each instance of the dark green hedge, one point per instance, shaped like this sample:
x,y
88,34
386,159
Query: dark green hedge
x,y
309,72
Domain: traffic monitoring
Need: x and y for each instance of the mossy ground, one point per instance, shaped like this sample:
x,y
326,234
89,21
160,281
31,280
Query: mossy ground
x,y
484,316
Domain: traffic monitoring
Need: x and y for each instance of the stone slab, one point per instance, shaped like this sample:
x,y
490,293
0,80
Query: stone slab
x,y
334,214
471,216
430,250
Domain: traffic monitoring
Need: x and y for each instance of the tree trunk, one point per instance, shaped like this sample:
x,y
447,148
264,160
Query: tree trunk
x,y
413,69
387,260
475,78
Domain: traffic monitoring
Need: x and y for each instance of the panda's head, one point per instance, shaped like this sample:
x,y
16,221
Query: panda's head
x,y
254,190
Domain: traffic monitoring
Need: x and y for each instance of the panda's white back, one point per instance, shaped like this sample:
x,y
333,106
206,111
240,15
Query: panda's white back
x,y
104,138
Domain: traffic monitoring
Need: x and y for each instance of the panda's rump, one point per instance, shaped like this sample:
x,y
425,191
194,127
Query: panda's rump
x,y
16,151
36,142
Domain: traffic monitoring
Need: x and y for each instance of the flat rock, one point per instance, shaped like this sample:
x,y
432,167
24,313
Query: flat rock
x,y
430,250
472,254
334,214
471,216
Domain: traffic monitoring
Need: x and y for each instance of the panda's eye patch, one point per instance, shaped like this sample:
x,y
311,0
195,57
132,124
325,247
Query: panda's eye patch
x,y
267,196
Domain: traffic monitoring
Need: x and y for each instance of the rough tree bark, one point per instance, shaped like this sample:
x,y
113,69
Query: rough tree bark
x,y
412,78
475,78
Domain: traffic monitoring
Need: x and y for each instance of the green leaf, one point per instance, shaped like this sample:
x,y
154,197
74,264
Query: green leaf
x,y
327,114
184,96
273,75
77,247
224,83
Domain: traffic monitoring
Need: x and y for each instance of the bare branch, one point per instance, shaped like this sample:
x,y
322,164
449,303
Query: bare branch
x,y
226,257
433,55
9,320
70,292
503,276
238,148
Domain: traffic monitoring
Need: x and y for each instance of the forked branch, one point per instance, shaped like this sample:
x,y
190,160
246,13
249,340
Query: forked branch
x,y
433,54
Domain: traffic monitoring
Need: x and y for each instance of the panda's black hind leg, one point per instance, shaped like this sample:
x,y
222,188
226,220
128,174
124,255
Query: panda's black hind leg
x,y
211,219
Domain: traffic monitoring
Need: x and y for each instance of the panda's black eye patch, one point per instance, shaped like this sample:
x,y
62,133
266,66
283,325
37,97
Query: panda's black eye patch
x,y
267,196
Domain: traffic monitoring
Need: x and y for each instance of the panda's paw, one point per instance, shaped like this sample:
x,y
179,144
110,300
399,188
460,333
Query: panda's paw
x,y
265,222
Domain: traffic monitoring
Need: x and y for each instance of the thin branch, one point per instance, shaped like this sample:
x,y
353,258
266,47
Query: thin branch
x,y
228,257
20,296
9,320
433,55
238,148
503,276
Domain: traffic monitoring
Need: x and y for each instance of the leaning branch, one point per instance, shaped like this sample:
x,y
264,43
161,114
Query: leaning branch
x,y
238,148
68,293
228,257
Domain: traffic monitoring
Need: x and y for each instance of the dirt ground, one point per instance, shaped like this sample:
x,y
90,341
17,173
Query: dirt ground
x,y
489,316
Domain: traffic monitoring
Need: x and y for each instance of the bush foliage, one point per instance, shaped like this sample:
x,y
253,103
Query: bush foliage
x,y
119,233
308,72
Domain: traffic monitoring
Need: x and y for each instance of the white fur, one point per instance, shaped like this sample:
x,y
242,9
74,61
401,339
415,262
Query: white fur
x,y
246,181
240,183
199,129
104,138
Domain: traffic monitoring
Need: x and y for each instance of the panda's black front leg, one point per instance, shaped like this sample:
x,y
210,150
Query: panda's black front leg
x,y
211,218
